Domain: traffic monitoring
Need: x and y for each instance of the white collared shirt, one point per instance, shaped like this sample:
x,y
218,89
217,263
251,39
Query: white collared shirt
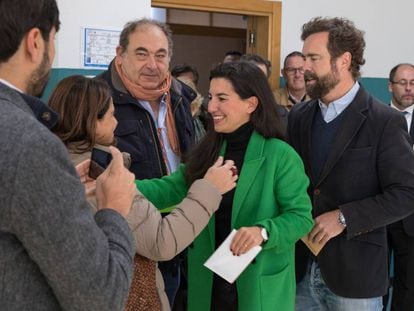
x,y
408,114
172,160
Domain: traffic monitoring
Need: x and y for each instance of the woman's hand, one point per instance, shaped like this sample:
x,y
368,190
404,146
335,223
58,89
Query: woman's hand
x,y
115,187
245,239
222,176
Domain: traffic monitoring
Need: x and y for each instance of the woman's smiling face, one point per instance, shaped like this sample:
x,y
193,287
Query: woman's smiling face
x,y
227,109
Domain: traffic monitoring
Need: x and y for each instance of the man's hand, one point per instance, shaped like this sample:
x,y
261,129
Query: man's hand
x,y
326,227
222,175
115,187
83,172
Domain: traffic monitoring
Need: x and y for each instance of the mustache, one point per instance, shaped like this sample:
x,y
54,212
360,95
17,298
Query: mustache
x,y
309,76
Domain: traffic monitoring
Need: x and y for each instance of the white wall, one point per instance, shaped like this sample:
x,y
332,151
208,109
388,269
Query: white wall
x,y
104,14
388,27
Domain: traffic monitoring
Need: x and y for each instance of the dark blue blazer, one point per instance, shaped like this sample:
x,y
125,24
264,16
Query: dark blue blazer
x,y
369,175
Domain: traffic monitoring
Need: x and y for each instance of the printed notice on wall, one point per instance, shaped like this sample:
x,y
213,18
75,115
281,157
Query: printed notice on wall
x,y
99,47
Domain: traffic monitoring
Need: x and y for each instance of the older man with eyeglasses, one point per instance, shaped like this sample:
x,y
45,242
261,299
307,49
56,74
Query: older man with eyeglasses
x,y
294,91
401,233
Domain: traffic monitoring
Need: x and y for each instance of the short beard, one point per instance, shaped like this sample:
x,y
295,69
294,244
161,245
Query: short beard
x,y
322,85
40,77
401,104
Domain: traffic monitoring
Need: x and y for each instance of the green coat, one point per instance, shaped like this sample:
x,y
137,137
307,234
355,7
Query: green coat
x,y
271,192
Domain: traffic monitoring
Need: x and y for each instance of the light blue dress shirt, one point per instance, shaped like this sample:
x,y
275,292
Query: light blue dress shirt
x,y
335,108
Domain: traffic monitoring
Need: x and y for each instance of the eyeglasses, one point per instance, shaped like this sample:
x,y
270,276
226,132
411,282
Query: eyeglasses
x,y
403,83
292,71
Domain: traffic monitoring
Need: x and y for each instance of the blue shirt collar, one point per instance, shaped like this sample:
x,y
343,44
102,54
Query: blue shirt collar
x,y
335,108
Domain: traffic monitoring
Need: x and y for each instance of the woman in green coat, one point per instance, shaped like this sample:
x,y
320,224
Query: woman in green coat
x,y
269,206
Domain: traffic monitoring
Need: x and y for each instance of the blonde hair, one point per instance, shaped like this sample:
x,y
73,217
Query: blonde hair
x,y
197,102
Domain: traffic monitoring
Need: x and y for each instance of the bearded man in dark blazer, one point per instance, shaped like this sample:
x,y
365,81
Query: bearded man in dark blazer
x,y
358,156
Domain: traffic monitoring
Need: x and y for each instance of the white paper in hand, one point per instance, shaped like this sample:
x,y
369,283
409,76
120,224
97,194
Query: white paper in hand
x,y
225,264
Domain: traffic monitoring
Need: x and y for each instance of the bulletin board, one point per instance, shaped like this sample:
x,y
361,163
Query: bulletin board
x,y
99,47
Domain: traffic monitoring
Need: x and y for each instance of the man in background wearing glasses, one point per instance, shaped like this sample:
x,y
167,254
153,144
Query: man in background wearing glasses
x,y
294,91
401,233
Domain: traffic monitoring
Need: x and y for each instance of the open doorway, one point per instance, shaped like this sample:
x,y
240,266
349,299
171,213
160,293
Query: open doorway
x,y
251,26
201,39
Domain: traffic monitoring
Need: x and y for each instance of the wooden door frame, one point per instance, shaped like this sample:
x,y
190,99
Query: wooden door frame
x,y
268,12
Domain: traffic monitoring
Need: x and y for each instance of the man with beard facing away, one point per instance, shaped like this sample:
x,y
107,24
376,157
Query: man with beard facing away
x,y
359,159
54,254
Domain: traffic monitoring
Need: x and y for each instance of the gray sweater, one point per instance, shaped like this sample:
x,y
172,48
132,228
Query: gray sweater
x,y
54,254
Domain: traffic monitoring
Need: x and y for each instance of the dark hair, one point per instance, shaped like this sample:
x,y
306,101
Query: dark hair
x,y
258,60
80,103
233,53
183,68
343,37
292,54
247,80
133,26
395,68
232,56
18,17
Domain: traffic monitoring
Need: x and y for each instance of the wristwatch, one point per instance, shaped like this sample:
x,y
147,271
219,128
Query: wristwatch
x,y
341,219
264,234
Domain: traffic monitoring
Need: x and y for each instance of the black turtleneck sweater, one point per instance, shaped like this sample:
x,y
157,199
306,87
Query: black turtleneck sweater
x,y
224,295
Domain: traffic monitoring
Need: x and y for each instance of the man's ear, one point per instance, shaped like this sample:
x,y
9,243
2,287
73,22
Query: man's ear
x,y
346,60
390,87
35,45
119,51
252,104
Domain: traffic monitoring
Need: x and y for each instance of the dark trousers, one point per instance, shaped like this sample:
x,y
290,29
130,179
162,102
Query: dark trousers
x,y
170,271
403,282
